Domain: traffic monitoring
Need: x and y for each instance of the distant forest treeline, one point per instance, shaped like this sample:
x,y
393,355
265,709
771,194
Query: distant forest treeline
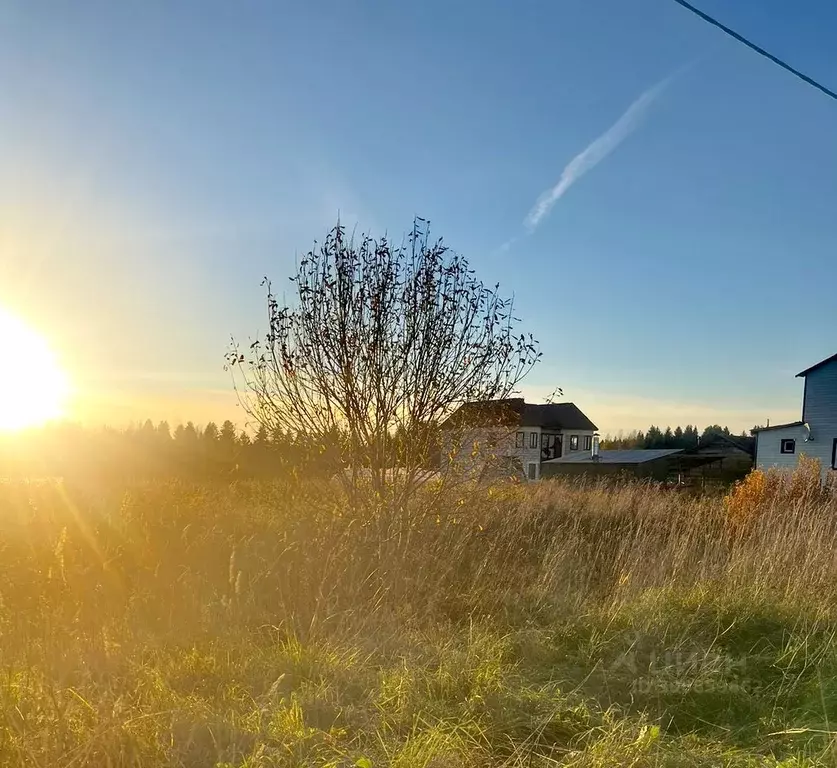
x,y
225,452
157,451
679,437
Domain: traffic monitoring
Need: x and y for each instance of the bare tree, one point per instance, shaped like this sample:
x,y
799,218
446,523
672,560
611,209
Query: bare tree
x,y
381,345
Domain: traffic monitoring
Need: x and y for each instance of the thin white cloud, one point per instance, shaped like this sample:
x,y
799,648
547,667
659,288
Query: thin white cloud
x,y
593,154
508,244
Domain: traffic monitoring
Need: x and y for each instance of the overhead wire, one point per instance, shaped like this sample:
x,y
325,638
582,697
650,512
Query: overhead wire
x,y
758,49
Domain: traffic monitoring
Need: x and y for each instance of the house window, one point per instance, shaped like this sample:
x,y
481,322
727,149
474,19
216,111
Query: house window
x,y
588,442
574,443
518,440
548,443
533,440
788,445
532,471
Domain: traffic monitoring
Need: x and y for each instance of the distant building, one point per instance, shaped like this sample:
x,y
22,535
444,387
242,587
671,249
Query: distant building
x,y
815,434
514,436
730,458
650,463
717,460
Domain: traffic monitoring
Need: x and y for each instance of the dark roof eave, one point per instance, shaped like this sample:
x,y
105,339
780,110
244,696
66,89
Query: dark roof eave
x,y
780,426
817,365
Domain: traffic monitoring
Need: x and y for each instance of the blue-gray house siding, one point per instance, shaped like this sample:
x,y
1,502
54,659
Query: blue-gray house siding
x,y
816,435
819,411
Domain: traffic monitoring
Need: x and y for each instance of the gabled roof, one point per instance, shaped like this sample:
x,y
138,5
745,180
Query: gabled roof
x,y
556,416
820,364
636,456
480,413
514,412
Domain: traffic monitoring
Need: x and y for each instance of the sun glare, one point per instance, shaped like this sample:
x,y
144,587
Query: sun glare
x,y
32,385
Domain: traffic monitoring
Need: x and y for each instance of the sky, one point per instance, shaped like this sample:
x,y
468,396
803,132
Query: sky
x,y
658,199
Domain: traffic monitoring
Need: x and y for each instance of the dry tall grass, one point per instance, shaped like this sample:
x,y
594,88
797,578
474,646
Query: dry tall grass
x,y
260,625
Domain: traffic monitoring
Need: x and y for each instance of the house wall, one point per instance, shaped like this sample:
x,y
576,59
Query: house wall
x,y
465,446
768,448
820,411
480,446
527,454
496,442
568,433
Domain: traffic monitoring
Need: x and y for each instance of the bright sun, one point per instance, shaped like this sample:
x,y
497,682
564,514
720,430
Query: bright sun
x,y
32,385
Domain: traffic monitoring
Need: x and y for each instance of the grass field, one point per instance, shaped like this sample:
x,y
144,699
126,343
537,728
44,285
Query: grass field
x,y
264,625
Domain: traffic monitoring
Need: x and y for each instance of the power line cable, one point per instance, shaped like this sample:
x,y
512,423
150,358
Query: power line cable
x,y
732,33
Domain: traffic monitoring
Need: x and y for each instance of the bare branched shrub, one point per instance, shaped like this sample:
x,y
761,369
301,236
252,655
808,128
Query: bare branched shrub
x,y
382,344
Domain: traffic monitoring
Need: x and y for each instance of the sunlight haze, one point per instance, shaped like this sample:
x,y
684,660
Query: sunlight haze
x,y
665,244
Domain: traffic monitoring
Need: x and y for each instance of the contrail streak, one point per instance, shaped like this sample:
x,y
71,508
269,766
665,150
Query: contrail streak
x,y
593,154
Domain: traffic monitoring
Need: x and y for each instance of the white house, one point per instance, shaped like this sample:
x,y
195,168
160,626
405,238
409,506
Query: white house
x,y
815,434
514,434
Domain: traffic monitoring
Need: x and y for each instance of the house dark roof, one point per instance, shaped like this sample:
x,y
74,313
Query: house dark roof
x,y
817,365
504,413
556,416
515,411
637,456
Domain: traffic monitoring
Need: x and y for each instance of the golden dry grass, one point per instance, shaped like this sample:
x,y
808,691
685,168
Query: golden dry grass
x,y
261,624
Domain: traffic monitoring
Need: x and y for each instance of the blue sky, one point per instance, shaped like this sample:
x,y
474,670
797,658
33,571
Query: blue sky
x,y
157,159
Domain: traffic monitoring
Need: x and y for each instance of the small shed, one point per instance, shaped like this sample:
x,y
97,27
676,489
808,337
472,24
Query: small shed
x,y
731,457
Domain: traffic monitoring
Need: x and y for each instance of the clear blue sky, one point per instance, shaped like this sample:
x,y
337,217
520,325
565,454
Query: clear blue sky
x,y
157,159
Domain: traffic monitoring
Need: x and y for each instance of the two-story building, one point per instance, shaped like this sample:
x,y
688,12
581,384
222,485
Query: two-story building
x,y
514,435
815,434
